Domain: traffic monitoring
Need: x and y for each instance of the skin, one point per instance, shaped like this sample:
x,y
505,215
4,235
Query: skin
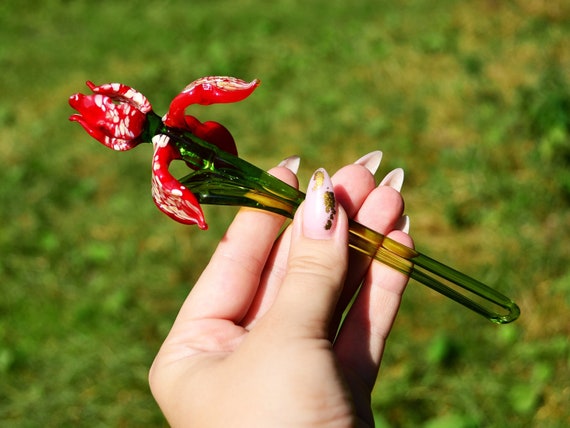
x,y
254,343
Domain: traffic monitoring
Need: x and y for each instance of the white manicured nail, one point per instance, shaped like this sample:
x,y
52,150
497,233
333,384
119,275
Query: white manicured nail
x,y
370,161
394,179
291,163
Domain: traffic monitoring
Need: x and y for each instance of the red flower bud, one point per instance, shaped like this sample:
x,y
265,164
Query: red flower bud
x,y
114,115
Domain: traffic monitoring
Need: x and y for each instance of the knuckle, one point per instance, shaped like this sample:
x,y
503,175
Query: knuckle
x,y
317,263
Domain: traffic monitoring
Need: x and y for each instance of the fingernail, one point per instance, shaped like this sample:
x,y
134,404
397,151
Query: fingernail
x,y
371,161
394,179
403,224
320,209
291,163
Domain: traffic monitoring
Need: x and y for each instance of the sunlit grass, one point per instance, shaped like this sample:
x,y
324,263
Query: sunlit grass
x,y
471,98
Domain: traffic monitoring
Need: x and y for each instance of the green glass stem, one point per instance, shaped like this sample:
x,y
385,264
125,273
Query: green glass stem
x,y
463,289
221,178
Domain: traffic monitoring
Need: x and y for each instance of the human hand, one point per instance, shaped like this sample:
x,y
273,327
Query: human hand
x,y
256,342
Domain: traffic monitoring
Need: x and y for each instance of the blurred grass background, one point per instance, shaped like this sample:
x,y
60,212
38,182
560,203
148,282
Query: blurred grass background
x,y
472,98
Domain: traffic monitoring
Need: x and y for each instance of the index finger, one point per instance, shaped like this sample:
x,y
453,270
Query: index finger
x,y
229,283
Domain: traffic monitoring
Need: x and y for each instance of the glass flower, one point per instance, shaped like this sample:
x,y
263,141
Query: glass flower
x,y
121,118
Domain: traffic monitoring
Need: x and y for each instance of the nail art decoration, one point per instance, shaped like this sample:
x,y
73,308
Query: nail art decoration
x,y
319,215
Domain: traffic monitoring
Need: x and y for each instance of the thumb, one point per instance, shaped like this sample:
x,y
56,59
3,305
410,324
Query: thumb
x,y
317,264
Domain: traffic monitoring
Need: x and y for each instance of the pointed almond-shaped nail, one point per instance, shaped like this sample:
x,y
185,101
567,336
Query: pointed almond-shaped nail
x,y
291,163
370,161
394,179
320,209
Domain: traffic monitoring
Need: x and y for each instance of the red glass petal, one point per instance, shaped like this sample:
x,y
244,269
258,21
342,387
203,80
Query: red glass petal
x,y
171,197
205,91
212,132
123,93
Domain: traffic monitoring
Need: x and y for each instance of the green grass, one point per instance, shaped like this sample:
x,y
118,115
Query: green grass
x,y
472,98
